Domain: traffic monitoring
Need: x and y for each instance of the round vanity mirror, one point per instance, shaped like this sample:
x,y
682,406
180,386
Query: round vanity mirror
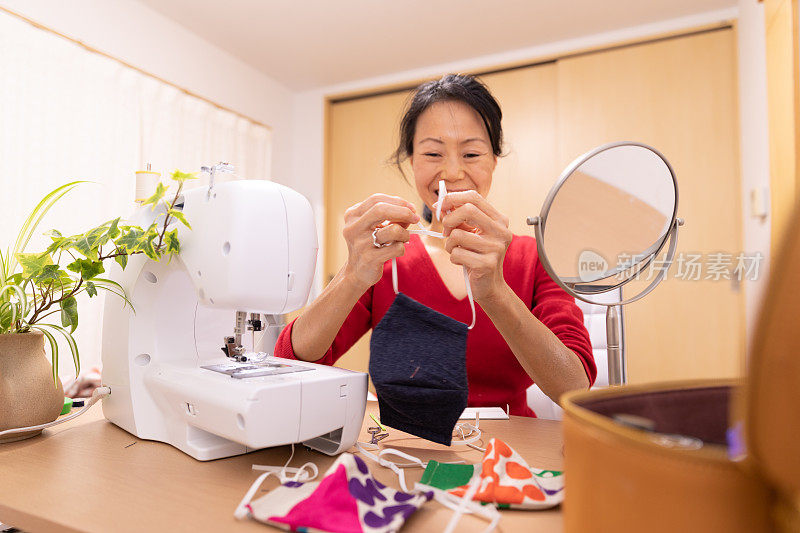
x,y
611,213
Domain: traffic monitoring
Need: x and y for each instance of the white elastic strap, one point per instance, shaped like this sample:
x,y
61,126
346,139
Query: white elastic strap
x,y
397,467
464,504
394,467
467,503
421,231
473,433
453,502
241,510
300,474
394,275
97,395
469,295
307,472
442,194
427,232
466,275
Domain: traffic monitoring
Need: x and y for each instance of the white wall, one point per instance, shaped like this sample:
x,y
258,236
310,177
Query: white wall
x,y
142,37
754,146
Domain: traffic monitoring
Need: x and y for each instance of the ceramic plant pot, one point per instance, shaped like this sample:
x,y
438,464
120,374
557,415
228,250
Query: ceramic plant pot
x,y
28,396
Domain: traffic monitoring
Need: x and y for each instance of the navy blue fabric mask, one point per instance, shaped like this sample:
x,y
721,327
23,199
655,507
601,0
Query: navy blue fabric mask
x,y
419,369
418,364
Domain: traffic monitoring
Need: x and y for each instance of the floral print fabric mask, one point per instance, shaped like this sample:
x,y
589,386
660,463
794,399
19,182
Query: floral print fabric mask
x,y
346,500
503,478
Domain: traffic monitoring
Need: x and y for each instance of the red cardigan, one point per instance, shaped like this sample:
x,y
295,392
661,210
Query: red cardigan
x,y
495,376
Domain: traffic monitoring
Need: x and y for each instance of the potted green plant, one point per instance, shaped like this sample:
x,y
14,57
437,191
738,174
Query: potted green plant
x,y
38,298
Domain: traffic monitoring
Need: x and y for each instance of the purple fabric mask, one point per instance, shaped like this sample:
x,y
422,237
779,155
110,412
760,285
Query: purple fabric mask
x,y
347,499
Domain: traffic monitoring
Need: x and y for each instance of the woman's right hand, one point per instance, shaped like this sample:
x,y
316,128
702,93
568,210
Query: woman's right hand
x,y
392,215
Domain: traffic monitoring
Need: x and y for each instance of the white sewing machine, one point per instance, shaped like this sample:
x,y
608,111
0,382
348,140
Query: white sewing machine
x,y
252,250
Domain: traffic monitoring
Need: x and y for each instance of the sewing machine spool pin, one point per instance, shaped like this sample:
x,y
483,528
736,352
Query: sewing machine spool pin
x,y
222,166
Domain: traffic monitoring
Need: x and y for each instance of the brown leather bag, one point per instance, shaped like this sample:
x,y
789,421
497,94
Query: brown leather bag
x,y
677,475
619,478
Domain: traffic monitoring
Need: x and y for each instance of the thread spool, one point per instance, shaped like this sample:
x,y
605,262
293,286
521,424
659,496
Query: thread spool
x,y
146,182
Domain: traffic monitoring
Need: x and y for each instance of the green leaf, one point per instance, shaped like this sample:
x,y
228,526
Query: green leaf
x,y
180,216
73,346
3,273
157,196
34,218
171,243
53,351
58,244
114,288
32,264
91,290
49,274
82,245
21,299
8,315
129,241
97,237
122,260
113,229
149,250
86,268
147,243
69,313
181,177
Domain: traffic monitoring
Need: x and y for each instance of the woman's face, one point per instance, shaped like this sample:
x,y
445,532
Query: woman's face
x,y
451,144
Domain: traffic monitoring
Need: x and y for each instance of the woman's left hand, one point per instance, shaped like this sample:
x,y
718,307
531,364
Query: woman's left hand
x,y
477,238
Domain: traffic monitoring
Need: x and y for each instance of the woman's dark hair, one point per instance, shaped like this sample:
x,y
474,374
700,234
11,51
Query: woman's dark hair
x,y
450,87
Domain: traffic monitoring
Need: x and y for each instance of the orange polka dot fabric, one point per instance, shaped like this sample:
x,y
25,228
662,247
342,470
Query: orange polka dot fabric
x,y
507,481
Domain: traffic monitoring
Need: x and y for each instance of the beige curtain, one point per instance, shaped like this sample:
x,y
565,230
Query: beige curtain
x,y
70,114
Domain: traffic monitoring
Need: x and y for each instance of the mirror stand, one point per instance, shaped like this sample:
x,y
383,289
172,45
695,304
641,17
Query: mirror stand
x,y
619,197
615,344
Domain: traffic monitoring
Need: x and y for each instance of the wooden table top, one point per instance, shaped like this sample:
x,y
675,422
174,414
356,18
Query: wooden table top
x,y
89,475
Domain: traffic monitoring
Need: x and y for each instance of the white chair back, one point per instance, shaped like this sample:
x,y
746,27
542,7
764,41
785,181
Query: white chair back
x,y
594,318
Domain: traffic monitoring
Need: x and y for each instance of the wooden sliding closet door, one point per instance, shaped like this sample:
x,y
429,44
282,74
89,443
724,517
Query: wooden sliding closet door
x,y
529,168
362,134
678,95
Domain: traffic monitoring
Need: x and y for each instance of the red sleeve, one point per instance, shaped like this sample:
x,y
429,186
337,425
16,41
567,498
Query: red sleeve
x,y
355,325
558,311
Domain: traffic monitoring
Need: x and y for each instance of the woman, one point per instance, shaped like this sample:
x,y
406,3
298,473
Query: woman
x,y
527,328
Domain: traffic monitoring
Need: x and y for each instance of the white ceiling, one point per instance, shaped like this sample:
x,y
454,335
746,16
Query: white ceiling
x,y
314,43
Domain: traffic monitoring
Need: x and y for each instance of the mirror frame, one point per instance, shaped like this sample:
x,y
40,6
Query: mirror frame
x,y
669,235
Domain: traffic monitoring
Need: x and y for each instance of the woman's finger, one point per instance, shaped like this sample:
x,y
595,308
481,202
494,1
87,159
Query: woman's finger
x,y
360,208
381,255
382,211
477,243
471,260
455,200
468,217
392,233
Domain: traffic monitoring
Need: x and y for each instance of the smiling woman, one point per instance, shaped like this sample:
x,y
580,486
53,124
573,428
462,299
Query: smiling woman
x,y
527,329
